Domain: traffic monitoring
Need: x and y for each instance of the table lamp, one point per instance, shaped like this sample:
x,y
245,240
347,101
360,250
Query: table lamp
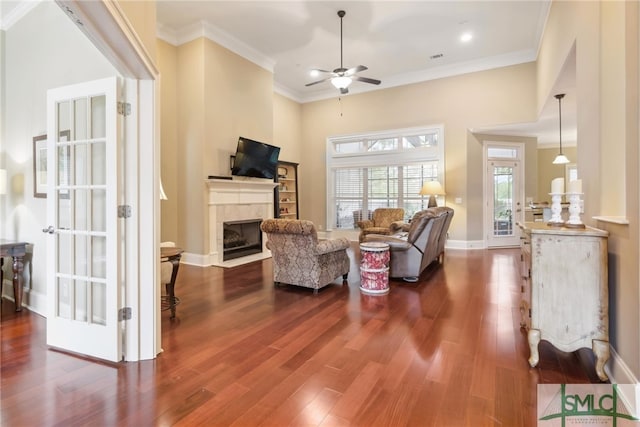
x,y
433,189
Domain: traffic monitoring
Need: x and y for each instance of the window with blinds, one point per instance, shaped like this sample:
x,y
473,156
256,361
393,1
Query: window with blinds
x,y
366,172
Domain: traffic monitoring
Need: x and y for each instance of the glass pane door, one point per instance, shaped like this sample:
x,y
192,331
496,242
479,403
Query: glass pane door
x,y
82,266
504,203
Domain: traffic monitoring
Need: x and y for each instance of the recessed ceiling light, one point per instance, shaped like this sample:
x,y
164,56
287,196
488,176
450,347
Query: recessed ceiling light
x,y
314,73
466,37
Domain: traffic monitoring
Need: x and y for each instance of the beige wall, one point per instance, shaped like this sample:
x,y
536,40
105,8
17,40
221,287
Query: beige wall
x,y
142,16
190,147
287,128
167,60
504,95
238,102
547,171
606,42
215,96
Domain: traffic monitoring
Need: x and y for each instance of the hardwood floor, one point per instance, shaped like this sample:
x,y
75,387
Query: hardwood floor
x,y
446,351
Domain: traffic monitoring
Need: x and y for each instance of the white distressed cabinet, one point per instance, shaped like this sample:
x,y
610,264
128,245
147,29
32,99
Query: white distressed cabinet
x,y
565,296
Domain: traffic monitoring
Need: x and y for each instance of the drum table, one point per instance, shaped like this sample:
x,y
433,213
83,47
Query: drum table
x,y
374,267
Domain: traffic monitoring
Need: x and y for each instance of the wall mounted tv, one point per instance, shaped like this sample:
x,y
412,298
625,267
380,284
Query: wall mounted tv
x,y
255,159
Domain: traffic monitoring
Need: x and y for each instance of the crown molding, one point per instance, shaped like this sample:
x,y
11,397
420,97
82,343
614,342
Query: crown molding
x,y
287,92
543,17
215,34
435,73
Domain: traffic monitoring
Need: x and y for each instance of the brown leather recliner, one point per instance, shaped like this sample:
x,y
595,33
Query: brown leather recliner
x,y
413,250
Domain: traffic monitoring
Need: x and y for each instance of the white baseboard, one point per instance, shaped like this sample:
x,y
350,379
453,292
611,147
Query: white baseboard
x,y
465,244
208,260
618,371
34,301
198,260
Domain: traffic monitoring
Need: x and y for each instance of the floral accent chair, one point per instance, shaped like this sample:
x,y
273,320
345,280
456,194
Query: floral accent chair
x,y
382,222
300,259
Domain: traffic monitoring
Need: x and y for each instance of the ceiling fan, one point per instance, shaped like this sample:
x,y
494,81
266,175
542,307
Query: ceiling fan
x,y
342,77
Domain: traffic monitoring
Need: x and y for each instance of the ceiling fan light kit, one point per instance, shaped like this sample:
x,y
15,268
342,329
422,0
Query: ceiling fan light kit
x,y
341,82
342,77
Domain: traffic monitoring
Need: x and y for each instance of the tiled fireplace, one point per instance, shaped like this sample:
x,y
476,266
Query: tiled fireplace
x,y
237,201
241,238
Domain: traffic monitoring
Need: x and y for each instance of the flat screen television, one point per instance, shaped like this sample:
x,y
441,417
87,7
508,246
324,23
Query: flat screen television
x,y
255,159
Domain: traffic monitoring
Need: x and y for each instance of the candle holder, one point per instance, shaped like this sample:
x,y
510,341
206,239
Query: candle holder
x,y
574,211
556,210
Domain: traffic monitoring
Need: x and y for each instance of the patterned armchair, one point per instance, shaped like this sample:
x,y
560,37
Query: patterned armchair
x,y
300,259
382,222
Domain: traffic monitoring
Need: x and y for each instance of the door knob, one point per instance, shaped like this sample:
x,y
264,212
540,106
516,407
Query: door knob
x,y
49,229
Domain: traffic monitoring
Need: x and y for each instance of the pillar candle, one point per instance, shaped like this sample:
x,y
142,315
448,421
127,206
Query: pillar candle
x,y
575,186
557,186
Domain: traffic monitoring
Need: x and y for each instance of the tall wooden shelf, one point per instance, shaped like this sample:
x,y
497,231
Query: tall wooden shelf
x,y
286,192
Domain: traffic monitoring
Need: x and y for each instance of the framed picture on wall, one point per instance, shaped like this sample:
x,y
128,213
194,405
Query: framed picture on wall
x,y
40,164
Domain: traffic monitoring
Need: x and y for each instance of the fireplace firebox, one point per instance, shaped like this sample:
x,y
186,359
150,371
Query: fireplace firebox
x,y
241,238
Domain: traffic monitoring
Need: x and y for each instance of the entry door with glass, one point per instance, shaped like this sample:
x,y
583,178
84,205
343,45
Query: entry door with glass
x,y
83,289
504,196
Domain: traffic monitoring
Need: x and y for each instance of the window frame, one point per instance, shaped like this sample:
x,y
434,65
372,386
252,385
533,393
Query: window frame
x,y
398,157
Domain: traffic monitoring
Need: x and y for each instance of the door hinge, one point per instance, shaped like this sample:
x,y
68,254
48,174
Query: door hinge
x,y
124,108
124,211
124,314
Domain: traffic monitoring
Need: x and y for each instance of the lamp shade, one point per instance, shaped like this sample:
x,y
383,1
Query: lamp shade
x,y
3,181
432,188
561,159
341,82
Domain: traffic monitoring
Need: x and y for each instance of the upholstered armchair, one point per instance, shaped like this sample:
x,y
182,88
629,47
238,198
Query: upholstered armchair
x,y
165,266
381,222
300,259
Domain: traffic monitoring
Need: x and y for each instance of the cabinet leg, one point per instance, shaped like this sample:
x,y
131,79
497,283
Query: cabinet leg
x,y
534,339
18,264
524,314
601,350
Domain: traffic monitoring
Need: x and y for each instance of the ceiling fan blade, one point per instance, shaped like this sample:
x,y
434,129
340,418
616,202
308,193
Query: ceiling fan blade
x,y
367,80
315,83
344,91
318,70
354,70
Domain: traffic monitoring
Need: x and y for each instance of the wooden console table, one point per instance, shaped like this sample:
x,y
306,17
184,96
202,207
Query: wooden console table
x,y
17,251
172,255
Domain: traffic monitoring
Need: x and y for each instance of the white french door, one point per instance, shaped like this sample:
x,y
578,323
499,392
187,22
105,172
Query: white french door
x,y
83,262
503,195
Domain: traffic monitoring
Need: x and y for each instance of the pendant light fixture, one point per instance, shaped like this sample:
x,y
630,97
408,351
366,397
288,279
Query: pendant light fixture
x,y
560,159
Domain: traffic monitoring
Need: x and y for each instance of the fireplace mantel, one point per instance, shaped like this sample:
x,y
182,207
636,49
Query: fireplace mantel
x,y
245,185
236,200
